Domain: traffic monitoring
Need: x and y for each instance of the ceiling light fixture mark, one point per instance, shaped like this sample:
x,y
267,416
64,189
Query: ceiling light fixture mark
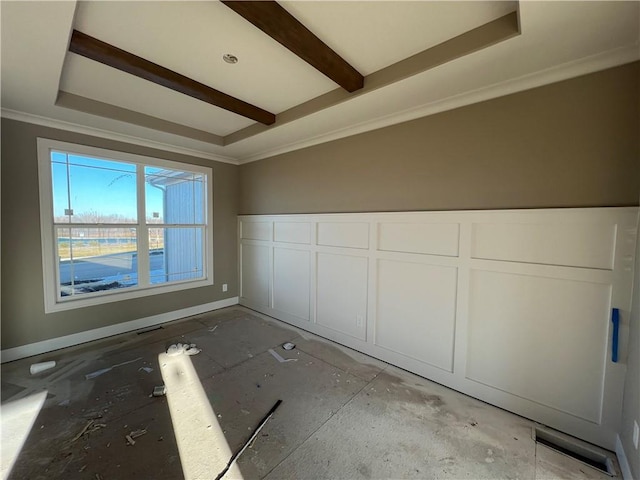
x,y
99,51
284,28
229,58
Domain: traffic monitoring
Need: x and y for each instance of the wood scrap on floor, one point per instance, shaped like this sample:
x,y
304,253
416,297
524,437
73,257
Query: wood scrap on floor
x,y
262,423
91,426
134,434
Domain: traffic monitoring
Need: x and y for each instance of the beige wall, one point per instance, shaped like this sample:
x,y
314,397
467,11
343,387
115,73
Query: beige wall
x,y
23,317
574,143
569,144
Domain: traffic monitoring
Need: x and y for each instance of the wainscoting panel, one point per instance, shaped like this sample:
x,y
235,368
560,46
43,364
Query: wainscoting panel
x,y
342,294
256,230
292,232
427,238
549,328
343,234
577,245
416,311
509,306
255,272
291,279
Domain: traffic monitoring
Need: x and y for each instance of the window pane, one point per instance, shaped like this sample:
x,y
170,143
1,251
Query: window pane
x,y
102,191
87,161
174,196
175,254
96,259
60,184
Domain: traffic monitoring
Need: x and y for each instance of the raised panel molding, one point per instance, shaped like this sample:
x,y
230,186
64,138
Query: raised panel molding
x,y
342,294
589,245
343,234
291,277
425,238
511,307
551,352
255,230
292,232
254,274
416,311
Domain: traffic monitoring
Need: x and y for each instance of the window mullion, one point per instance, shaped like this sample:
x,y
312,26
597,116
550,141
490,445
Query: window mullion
x,y
143,232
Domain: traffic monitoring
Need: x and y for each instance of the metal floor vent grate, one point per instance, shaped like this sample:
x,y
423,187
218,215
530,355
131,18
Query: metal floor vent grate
x,y
574,448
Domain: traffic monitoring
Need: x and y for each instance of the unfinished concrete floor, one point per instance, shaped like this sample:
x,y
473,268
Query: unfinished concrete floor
x,y
344,415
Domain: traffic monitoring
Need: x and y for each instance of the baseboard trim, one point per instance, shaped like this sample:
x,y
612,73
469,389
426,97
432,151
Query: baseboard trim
x,y
622,460
44,346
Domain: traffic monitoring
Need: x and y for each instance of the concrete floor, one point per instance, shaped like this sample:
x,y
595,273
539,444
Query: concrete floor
x,y
344,415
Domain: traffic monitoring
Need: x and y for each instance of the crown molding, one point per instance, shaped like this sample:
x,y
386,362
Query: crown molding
x,y
576,68
110,135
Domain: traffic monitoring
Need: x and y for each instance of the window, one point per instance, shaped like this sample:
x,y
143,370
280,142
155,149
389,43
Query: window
x,y
117,225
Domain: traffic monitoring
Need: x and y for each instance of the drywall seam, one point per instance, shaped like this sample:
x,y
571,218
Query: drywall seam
x,y
44,346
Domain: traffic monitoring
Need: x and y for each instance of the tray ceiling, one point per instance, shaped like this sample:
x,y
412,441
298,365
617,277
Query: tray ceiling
x,y
416,58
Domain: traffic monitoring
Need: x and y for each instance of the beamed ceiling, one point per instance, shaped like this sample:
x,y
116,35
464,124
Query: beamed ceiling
x,y
308,71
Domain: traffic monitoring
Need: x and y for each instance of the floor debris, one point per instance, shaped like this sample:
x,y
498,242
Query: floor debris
x,y
91,426
288,346
250,440
183,348
97,373
159,391
231,385
146,369
138,433
134,434
41,367
277,356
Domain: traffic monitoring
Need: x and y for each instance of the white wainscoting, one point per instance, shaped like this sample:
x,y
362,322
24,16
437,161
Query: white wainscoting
x,y
342,293
291,279
512,307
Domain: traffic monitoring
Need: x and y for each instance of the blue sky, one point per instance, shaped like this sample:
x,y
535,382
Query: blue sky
x,y
102,186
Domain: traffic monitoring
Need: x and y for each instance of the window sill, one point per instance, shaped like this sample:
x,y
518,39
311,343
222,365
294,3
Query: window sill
x,y
119,295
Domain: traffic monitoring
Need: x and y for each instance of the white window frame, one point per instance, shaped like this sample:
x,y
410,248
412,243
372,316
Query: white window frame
x,y
52,302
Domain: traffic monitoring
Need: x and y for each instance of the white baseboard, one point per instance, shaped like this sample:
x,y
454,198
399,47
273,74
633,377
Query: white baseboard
x,y
622,460
44,346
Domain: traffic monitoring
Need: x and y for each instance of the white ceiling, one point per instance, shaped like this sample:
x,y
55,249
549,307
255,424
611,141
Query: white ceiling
x,y
558,40
374,35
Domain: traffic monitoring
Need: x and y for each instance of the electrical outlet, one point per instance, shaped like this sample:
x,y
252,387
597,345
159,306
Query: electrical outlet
x,y
636,433
224,287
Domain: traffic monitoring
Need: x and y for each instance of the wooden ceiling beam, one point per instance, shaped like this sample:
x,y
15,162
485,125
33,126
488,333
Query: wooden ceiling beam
x,y
275,21
99,51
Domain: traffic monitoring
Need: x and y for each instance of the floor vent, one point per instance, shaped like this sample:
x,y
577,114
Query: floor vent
x,y
147,330
574,448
